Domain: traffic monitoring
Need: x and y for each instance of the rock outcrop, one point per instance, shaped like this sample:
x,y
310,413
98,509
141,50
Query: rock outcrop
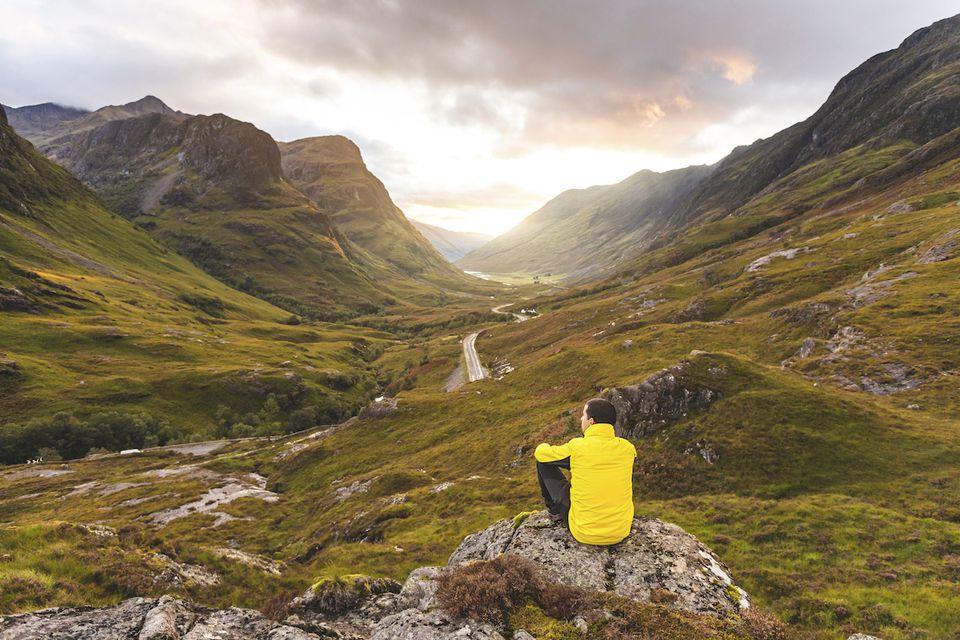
x,y
657,562
666,396
164,618
657,557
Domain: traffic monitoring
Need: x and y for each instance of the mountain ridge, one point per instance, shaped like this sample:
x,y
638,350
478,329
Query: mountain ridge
x,y
172,173
583,233
875,104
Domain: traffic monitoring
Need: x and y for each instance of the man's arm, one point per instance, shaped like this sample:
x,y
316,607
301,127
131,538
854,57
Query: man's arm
x,y
551,453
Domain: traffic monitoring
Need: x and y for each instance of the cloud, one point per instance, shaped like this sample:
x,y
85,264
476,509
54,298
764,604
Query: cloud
x,y
593,73
456,102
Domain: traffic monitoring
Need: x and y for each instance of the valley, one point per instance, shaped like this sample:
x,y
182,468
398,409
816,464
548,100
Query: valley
x,y
780,333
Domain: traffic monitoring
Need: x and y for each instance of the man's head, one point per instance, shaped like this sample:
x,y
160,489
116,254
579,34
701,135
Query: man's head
x,y
597,411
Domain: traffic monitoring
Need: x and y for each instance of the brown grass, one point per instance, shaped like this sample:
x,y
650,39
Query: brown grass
x,y
490,591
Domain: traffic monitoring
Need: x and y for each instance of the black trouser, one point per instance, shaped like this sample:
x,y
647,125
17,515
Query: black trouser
x,y
555,487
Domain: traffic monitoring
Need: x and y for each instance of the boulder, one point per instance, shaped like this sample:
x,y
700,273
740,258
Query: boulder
x,y
657,559
664,397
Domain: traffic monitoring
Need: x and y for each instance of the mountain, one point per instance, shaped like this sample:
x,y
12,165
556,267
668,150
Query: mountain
x,y
36,119
911,94
330,171
212,188
583,233
133,342
42,123
453,245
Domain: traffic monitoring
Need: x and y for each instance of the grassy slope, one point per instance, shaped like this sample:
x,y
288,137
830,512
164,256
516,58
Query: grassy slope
x,y
121,323
837,509
330,171
585,233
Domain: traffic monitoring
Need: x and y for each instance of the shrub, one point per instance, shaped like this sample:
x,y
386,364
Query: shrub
x,y
277,607
561,601
22,592
762,626
490,591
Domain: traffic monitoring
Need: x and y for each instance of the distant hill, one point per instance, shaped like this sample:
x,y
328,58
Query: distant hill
x,y
452,244
36,119
584,233
42,123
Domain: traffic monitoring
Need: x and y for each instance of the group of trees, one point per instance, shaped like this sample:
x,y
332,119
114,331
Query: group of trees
x,y
274,419
65,436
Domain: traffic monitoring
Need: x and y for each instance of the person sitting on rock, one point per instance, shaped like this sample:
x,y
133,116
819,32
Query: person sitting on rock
x,y
596,504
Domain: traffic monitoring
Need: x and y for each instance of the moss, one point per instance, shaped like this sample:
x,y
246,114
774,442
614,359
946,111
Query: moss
x,y
534,621
520,517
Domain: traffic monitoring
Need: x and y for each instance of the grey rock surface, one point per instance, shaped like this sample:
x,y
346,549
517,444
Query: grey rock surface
x,y
163,618
413,624
945,248
420,589
664,397
656,558
484,545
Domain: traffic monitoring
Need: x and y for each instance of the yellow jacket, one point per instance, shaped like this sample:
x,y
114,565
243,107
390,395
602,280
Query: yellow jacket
x,y
601,483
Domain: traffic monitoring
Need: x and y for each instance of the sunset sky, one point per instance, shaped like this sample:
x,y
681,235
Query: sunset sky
x,y
472,113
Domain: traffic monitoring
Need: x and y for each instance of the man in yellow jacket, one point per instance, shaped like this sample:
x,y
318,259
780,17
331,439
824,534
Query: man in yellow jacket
x,y
596,503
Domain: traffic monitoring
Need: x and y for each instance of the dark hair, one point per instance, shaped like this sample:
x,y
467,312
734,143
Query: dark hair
x,y
602,411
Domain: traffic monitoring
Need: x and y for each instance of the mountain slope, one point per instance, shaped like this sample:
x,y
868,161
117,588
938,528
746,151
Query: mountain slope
x,y
96,316
911,93
453,245
212,188
330,171
586,232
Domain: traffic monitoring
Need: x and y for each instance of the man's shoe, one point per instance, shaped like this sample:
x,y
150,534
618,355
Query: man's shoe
x,y
556,518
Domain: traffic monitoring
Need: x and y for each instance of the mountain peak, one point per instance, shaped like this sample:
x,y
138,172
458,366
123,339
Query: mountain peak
x,y
328,149
147,104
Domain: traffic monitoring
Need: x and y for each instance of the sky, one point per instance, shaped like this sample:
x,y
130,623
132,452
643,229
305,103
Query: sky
x,y
472,113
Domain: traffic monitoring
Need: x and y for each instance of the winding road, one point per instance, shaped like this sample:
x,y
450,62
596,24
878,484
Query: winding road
x,y
475,370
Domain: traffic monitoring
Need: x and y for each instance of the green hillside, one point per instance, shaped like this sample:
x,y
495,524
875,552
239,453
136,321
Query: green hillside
x,y
792,345
97,317
330,171
584,234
